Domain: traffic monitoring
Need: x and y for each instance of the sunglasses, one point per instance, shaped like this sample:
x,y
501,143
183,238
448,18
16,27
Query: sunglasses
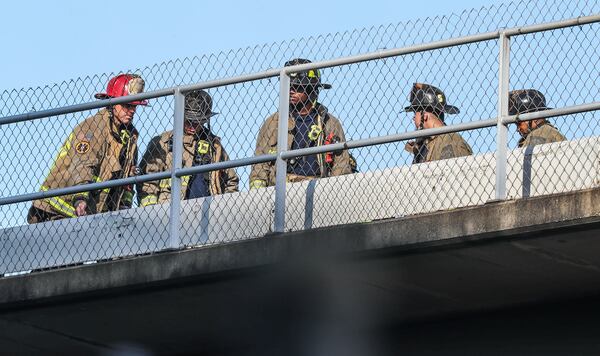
x,y
129,106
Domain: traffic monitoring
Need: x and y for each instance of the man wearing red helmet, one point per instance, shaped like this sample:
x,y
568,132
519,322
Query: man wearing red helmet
x,y
101,148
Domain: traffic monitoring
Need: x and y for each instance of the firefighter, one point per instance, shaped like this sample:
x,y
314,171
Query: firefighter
x,y
101,148
200,146
309,125
533,132
430,107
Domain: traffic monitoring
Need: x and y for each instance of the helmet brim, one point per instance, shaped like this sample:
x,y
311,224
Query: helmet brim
x,y
531,110
199,118
104,96
311,85
448,109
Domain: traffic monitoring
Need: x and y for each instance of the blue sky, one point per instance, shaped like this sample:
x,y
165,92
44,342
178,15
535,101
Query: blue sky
x,y
46,42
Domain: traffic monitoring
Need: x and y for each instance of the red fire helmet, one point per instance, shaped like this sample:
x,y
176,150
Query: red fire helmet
x,y
123,85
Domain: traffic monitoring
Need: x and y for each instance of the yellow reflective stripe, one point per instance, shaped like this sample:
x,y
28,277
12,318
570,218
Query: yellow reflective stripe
x,y
124,134
98,180
83,194
149,200
166,183
60,205
63,151
257,183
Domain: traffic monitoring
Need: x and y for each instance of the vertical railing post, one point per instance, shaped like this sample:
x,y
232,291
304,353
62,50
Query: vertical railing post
x,y
282,143
174,227
501,128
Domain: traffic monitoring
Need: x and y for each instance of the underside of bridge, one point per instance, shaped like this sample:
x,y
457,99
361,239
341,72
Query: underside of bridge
x,y
513,277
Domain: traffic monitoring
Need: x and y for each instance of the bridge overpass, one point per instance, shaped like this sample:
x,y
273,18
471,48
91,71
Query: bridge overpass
x,y
354,275
360,288
494,253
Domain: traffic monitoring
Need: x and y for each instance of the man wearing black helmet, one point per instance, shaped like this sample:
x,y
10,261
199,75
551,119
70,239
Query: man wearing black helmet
x,y
309,125
534,132
200,146
429,105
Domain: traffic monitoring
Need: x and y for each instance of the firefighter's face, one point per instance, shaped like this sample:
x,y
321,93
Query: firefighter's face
x,y
522,128
297,95
426,118
124,113
191,127
419,118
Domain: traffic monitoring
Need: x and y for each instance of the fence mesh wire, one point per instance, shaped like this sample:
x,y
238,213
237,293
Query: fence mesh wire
x,y
368,98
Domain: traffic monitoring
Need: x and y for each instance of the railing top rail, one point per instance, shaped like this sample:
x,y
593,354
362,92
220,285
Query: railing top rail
x,y
132,180
85,106
445,43
321,64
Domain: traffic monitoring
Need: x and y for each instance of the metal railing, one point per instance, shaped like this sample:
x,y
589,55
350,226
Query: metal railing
x,y
283,155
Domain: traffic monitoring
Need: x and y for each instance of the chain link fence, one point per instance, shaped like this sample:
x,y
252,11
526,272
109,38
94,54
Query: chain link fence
x,y
368,98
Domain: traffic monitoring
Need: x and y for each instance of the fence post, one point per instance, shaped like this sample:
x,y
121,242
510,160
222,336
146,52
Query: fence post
x,y
282,143
174,228
501,128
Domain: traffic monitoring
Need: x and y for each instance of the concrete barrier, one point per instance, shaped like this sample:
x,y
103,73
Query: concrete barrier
x,y
362,197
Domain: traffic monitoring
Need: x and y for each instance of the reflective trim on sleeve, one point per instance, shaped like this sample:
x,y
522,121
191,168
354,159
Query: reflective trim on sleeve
x,y
60,205
258,183
98,180
166,183
149,200
84,195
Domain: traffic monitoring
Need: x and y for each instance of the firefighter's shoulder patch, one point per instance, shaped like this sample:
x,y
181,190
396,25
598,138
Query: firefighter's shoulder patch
x,y
82,146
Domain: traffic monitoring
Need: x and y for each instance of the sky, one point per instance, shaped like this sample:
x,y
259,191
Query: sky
x,y
46,42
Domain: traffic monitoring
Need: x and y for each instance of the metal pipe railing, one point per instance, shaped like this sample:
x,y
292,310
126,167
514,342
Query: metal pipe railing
x,y
85,106
502,110
372,141
282,146
136,179
175,203
567,110
83,188
468,126
555,25
487,36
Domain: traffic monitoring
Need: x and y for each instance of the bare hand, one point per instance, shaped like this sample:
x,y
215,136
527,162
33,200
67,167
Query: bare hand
x,y
80,208
134,171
